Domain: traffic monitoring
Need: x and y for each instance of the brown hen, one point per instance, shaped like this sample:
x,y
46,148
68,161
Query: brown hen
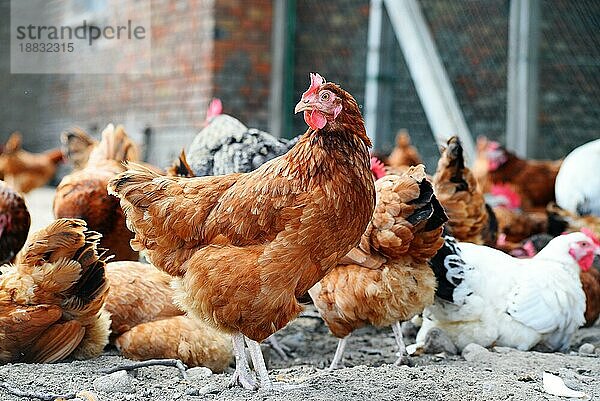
x,y
25,171
139,293
147,325
192,341
77,146
83,194
404,154
470,219
51,299
14,223
244,246
533,180
387,279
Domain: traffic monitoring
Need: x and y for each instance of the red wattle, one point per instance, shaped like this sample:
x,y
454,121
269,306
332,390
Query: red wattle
x,y
315,119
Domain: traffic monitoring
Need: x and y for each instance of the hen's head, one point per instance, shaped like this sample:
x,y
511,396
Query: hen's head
x,y
377,168
496,155
580,246
327,107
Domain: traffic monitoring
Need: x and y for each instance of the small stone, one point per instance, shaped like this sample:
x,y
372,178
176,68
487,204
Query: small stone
x,y
503,350
473,352
193,391
209,389
199,372
597,351
118,382
437,341
586,349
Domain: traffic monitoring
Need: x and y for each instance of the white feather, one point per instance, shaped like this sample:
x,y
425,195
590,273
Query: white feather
x,y
578,181
512,302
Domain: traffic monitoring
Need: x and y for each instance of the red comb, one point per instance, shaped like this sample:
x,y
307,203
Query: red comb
x,y
377,168
493,145
513,198
591,235
315,83
529,248
215,108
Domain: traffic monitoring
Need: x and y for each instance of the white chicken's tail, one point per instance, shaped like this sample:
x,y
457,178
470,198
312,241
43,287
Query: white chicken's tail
x,y
449,268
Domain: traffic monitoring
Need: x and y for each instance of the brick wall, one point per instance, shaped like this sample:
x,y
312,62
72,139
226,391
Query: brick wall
x,y
241,60
171,101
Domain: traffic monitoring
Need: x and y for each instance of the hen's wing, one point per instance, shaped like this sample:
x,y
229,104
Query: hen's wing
x,y
139,293
558,313
189,340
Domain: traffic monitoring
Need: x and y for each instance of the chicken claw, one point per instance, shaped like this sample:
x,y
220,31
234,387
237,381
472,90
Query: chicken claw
x,y
259,364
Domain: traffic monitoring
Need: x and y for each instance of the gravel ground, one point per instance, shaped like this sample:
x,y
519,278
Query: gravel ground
x,y
501,374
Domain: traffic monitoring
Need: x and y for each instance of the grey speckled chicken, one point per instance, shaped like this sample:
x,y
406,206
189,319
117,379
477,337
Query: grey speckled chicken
x,y
227,146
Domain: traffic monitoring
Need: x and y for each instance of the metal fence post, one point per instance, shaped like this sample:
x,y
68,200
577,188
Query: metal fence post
x,y
522,91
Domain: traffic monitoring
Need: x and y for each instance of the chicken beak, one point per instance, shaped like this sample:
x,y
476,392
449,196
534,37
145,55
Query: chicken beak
x,y
303,105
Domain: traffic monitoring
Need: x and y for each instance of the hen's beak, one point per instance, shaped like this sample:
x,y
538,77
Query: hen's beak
x,y
302,105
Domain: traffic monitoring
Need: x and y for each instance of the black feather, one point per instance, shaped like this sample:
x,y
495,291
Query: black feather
x,y
445,288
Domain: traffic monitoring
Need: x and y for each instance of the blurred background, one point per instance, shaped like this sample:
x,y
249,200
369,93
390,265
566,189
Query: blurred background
x,y
255,55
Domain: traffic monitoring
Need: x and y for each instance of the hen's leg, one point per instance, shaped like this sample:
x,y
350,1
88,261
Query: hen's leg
x,y
242,374
259,364
339,352
402,357
281,349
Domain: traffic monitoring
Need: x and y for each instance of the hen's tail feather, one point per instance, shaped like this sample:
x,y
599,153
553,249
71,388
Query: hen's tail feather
x,y
432,211
181,167
449,268
70,239
115,145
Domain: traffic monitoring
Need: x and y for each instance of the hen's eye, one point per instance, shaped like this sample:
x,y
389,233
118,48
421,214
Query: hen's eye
x,y
325,96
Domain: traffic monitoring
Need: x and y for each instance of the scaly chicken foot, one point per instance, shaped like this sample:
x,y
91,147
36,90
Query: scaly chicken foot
x,y
259,364
242,375
339,352
402,357
282,350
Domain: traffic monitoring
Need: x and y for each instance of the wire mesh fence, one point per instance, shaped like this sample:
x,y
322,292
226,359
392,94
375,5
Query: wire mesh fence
x,y
569,76
330,38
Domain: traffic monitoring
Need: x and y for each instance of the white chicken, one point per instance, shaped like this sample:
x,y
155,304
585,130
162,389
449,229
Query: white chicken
x,y
575,191
487,297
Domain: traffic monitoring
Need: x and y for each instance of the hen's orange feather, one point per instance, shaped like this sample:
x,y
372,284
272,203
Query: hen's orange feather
x,y
190,340
456,188
51,299
404,233
139,293
245,246
25,171
83,195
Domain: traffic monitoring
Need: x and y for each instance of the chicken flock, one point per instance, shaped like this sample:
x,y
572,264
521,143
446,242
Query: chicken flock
x,y
245,228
